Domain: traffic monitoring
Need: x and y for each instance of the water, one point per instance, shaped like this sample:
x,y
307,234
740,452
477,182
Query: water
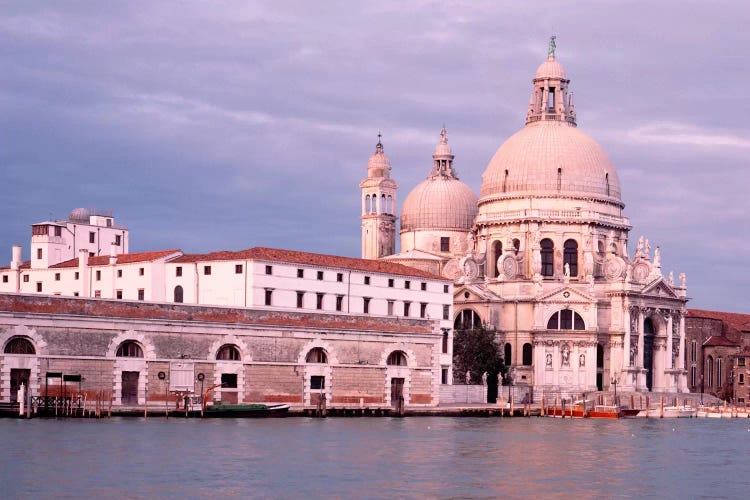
x,y
375,458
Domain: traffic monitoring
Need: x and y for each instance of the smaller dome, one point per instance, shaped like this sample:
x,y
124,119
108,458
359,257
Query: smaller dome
x,y
443,148
439,203
79,214
550,69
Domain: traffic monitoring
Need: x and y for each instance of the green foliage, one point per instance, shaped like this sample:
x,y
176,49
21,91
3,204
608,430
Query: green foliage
x,y
477,352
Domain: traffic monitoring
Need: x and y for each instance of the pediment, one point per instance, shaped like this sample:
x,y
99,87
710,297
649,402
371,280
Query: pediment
x,y
475,293
567,294
658,288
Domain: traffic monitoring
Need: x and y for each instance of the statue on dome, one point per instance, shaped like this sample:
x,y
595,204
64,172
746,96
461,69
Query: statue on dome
x,y
552,46
646,249
639,249
671,278
683,280
657,258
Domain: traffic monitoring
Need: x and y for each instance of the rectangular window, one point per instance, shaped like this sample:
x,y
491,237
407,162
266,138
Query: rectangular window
x,y
300,273
269,294
98,276
445,341
57,276
320,275
407,308
119,273
422,310
141,294
109,222
423,287
340,277
269,269
38,253
38,286
445,288
118,294
317,382
444,376
741,361
693,349
76,275
566,319
390,308
740,400
319,301
445,244
300,299
75,294
367,280
206,270
742,379
118,240
39,231
141,271
390,282
92,237
339,302
446,311
5,278
228,380
366,305
238,269
25,278
407,284
97,294
58,231
178,271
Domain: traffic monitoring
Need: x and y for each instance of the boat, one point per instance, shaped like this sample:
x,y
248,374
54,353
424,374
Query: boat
x,y
605,411
579,410
227,410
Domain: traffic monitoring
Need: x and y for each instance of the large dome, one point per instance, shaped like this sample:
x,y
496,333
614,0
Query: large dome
x,y
550,157
439,203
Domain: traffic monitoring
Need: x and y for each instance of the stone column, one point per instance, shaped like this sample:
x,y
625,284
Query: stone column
x,y
660,351
641,381
626,339
669,340
682,377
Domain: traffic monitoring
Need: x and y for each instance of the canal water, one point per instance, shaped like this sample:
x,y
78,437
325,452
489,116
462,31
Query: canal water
x,y
421,457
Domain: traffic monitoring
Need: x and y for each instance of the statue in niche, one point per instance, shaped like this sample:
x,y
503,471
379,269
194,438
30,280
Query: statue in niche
x,y
565,354
633,349
499,379
582,360
484,378
683,280
549,359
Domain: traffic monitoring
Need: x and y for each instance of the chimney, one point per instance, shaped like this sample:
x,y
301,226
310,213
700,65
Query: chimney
x,y
83,263
112,254
16,261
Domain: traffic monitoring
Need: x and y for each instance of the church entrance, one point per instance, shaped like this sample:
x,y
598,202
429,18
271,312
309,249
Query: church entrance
x,y
599,367
648,352
397,392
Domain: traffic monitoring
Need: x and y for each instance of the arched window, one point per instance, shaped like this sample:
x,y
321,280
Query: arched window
x,y
497,251
527,350
718,373
507,352
613,248
19,345
559,179
390,204
383,206
606,182
374,203
467,319
228,352
710,372
396,358
129,349
178,296
570,256
648,326
317,355
566,319
516,245
548,257
368,205
600,248
505,181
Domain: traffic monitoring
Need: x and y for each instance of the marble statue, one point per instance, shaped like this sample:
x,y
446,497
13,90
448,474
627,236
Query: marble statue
x,y
683,280
484,378
468,377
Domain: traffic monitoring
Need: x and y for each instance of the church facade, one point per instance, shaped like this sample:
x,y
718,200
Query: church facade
x,y
541,256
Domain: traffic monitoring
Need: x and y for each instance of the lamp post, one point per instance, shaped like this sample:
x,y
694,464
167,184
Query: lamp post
x,y
614,383
200,378
163,377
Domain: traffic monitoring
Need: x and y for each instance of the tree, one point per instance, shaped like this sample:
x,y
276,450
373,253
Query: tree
x,y
476,351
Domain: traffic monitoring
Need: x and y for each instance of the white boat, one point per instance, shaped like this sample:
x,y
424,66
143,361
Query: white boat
x,y
680,412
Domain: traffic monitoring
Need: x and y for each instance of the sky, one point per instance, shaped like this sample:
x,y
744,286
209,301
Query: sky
x,y
225,125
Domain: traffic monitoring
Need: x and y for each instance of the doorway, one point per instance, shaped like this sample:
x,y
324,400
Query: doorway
x,y
18,377
599,367
129,395
397,391
648,352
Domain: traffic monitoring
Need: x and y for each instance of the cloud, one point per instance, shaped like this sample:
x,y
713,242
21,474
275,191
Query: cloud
x,y
686,135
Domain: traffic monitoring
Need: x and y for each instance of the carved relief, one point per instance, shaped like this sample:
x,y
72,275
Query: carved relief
x,y
451,269
508,266
641,271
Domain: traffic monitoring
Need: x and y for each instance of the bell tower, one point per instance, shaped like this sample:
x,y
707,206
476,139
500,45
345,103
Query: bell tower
x,y
378,206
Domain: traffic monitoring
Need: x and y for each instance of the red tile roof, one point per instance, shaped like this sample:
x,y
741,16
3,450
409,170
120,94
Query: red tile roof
x,y
717,341
125,258
314,259
35,304
24,265
738,321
